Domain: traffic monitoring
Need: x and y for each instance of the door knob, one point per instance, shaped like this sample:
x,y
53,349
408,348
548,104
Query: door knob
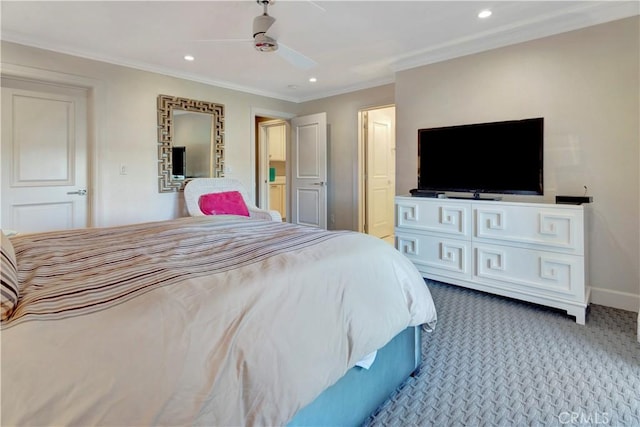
x,y
79,192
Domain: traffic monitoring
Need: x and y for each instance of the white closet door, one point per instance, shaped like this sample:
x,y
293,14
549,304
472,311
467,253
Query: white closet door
x,y
44,159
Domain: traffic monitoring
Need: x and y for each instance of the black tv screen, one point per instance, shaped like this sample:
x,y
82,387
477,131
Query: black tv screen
x,y
498,157
179,161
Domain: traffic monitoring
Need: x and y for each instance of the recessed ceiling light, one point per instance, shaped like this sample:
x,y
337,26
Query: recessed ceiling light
x,y
313,79
189,58
484,14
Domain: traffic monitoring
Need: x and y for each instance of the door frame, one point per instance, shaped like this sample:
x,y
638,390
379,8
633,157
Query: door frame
x,y
263,161
361,195
95,125
272,114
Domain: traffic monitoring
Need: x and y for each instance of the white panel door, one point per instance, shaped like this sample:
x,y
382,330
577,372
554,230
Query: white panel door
x,y
309,170
380,171
44,159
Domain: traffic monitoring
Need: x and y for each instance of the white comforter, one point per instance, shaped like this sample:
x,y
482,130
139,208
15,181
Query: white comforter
x,y
196,321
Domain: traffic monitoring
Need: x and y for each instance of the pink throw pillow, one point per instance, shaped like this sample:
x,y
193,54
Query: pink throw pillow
x,y
225,203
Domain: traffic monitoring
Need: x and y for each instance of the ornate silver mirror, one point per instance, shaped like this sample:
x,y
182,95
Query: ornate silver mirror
x,y
190,141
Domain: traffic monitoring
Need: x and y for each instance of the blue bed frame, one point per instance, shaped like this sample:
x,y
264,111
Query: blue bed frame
x,y
351,400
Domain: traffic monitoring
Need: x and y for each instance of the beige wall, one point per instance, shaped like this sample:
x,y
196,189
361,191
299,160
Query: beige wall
x,y
128,121
129,135
342,120
586,86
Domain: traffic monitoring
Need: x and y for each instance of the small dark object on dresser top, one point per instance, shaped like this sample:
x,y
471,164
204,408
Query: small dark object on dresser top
x,y
573,200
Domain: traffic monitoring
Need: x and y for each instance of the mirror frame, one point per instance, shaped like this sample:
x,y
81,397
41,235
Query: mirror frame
x,y
166,105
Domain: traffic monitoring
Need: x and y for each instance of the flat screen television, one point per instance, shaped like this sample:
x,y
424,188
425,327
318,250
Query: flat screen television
x,y
179,162
499,157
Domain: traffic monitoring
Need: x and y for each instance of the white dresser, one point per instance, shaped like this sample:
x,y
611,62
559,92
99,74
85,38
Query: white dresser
x,y
530,251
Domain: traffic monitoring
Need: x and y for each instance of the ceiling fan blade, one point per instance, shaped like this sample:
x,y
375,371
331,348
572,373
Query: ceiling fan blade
x,y
295,58
245,40
317,5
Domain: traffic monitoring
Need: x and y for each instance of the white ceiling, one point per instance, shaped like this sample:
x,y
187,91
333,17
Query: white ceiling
x,y
354,44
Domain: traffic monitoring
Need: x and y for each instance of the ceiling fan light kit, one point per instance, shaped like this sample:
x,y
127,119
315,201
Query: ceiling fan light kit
x,y
264,43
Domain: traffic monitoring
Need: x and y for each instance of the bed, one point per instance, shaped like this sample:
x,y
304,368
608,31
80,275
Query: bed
x,y
204,321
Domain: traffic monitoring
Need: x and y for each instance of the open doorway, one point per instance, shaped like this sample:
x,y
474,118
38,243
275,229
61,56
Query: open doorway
x,y
260,173
305,148
377,162
271,164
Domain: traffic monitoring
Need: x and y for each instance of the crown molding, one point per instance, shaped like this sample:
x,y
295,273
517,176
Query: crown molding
x,y
569,19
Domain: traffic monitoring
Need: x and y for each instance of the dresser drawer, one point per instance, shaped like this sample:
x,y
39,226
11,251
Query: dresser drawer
x,y
435,254
434,215
530,226
530,271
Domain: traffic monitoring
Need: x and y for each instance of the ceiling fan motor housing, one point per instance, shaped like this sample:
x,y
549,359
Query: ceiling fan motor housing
x,y
262,23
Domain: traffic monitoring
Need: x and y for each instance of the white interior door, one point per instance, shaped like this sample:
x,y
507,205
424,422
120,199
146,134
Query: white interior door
x,y
380,170
44,157
309,170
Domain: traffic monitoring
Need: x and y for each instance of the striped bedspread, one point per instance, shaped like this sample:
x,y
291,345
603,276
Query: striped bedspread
x,y
70,273
196,321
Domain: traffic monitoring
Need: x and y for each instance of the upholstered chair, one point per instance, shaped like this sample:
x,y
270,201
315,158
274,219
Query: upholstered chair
x,y
202,186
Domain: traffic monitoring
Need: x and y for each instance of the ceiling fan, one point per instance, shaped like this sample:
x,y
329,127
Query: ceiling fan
x,y
264,43
261,24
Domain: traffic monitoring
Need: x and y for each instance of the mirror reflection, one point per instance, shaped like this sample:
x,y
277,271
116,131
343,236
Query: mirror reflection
x,y
190,141
193,142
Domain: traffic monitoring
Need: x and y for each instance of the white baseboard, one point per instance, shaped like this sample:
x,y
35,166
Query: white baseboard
x,y
615,299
